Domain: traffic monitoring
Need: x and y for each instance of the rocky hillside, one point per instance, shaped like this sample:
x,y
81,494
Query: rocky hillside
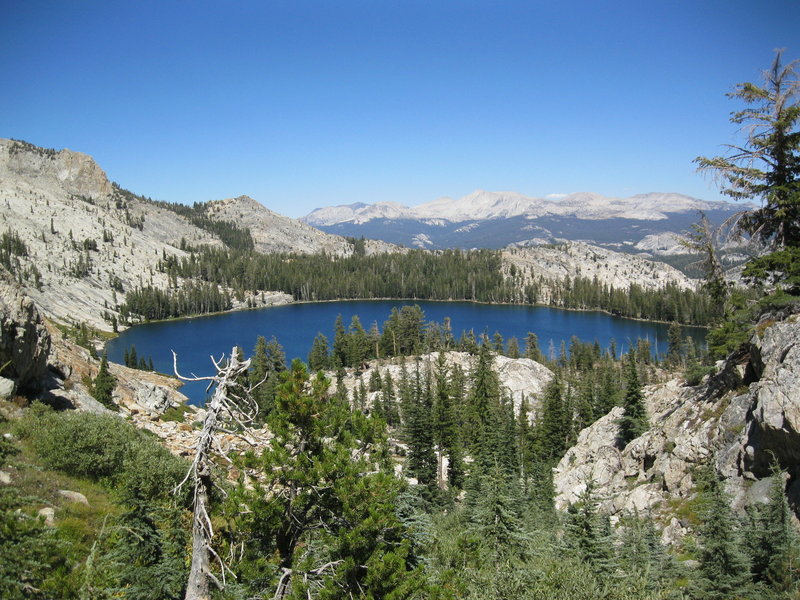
x,y
78,243
39,361
275,233
743,418
544,264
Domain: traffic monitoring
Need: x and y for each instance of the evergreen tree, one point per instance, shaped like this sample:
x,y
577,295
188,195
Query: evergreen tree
x,y
267,361
512,349
340,349
132,358
553,425
406,395
321,515
360,401
586,403
608,394
674,345
467,342
495,515
145,556
390,411
772,543
634,422
540,494
640,552
104,384
482,409
767,166
375,381
508,450
497,342
588,533
319,358
419,436
723,572
445,424
358,346
532,350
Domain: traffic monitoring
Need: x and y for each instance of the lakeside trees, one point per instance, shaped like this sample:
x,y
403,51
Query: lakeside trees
x,y
441,275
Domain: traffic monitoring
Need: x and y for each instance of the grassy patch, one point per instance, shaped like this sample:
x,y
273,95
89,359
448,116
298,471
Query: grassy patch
x,y
686,510
176,413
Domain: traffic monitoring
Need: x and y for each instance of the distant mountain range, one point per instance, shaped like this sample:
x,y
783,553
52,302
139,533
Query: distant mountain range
x,y
497,219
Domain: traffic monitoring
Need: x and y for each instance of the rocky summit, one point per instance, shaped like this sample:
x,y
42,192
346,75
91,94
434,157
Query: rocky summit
x,y
744,431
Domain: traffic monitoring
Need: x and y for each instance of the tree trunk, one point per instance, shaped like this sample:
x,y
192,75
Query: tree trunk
x,y
197,587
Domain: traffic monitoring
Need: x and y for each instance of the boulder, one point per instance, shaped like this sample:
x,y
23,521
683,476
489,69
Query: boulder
x,y
24,340
7,388
74,496
152,397
48,513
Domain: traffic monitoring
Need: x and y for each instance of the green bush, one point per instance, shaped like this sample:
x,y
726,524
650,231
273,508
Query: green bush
x,y
101,447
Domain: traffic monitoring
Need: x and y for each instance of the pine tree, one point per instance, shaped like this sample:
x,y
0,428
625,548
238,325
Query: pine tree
x,y
445,424
375,381
497,342
540,494
551,431
133,358
532,350
588,534
482,409
419,436
586,402
390,411
339,355
104,384
358,347
723,572
634,422
321,515
767,165
267,360
495,515
608,394
772,542
640,552
512,349
674,345
319,358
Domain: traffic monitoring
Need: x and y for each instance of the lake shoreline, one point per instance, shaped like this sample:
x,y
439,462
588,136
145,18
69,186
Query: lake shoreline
x,y
296,324
404,300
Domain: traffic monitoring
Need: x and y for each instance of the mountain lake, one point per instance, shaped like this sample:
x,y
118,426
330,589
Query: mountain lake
x,y
195,339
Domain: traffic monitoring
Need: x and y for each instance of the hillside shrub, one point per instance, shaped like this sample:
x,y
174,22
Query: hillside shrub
x,y
101,447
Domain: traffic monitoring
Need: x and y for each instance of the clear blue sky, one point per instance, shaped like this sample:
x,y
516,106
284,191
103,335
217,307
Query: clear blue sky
x,y
305,104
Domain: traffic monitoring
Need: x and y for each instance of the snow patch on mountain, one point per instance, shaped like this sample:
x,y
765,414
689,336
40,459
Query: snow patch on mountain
x,y
483,205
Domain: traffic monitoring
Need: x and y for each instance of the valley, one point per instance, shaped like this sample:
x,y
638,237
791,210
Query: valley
x,y
528,414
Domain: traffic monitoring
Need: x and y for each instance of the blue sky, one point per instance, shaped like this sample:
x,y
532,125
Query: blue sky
x,y
306,104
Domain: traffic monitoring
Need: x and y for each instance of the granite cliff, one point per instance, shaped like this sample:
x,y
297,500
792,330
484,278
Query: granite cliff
x,y
743,418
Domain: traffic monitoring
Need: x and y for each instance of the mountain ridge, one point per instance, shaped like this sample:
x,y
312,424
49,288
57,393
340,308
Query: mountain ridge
x,y
497,219
482,205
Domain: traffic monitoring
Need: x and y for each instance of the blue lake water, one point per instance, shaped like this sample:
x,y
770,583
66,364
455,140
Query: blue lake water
x,y
295,326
